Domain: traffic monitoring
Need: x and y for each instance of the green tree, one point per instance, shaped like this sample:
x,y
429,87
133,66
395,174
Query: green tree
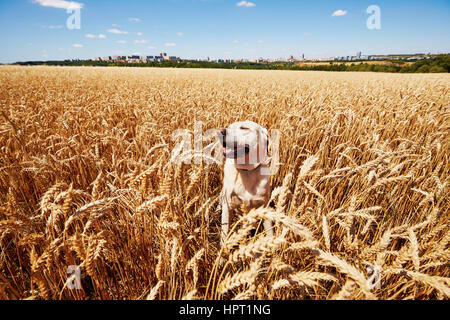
x,y
424,68
437,69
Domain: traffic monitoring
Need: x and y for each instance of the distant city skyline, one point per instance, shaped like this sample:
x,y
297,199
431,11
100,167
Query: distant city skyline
x,y
219,29
164,57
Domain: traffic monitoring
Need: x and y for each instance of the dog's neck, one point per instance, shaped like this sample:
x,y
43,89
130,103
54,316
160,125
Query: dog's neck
x,y
247,167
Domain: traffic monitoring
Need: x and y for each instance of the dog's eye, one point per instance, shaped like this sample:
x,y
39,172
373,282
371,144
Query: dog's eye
x,y
244,128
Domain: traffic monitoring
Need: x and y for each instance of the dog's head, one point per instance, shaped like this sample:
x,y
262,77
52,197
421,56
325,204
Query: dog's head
x,y
245,141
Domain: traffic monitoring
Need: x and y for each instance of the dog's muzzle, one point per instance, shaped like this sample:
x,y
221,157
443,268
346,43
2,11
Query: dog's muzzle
x,y
231,149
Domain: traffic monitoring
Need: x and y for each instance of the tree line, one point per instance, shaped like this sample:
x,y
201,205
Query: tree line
x,y
437,64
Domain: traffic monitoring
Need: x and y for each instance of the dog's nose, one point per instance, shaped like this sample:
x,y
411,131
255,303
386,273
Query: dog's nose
x,y
223,132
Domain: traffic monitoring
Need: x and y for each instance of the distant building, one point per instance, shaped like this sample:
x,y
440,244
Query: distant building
x,y
133,59
137,58
164,56
117,59
413,58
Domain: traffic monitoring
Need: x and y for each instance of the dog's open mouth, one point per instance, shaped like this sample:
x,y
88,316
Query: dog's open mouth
x,y
236,151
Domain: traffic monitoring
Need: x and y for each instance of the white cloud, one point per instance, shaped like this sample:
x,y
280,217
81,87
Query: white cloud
x,y
151,47
170,44
77,45
140,41
60,4
94,36
260,41
45,55
339,13
55,27
121,41
139,33
180,34
117,31
135,20
247,4
61,49
235,41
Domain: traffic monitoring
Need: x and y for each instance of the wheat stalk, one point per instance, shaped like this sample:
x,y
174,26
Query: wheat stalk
x,y
99,178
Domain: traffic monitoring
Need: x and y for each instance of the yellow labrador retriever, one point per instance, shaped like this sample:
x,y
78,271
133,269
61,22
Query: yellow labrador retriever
x,y
246,171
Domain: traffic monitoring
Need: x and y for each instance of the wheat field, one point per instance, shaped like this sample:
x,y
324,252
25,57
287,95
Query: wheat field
x,y
360,202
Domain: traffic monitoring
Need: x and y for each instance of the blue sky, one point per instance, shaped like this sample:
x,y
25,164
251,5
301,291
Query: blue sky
x,y
36,29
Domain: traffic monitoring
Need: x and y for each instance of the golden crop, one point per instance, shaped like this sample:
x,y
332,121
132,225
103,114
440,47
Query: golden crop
x,y
360,202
